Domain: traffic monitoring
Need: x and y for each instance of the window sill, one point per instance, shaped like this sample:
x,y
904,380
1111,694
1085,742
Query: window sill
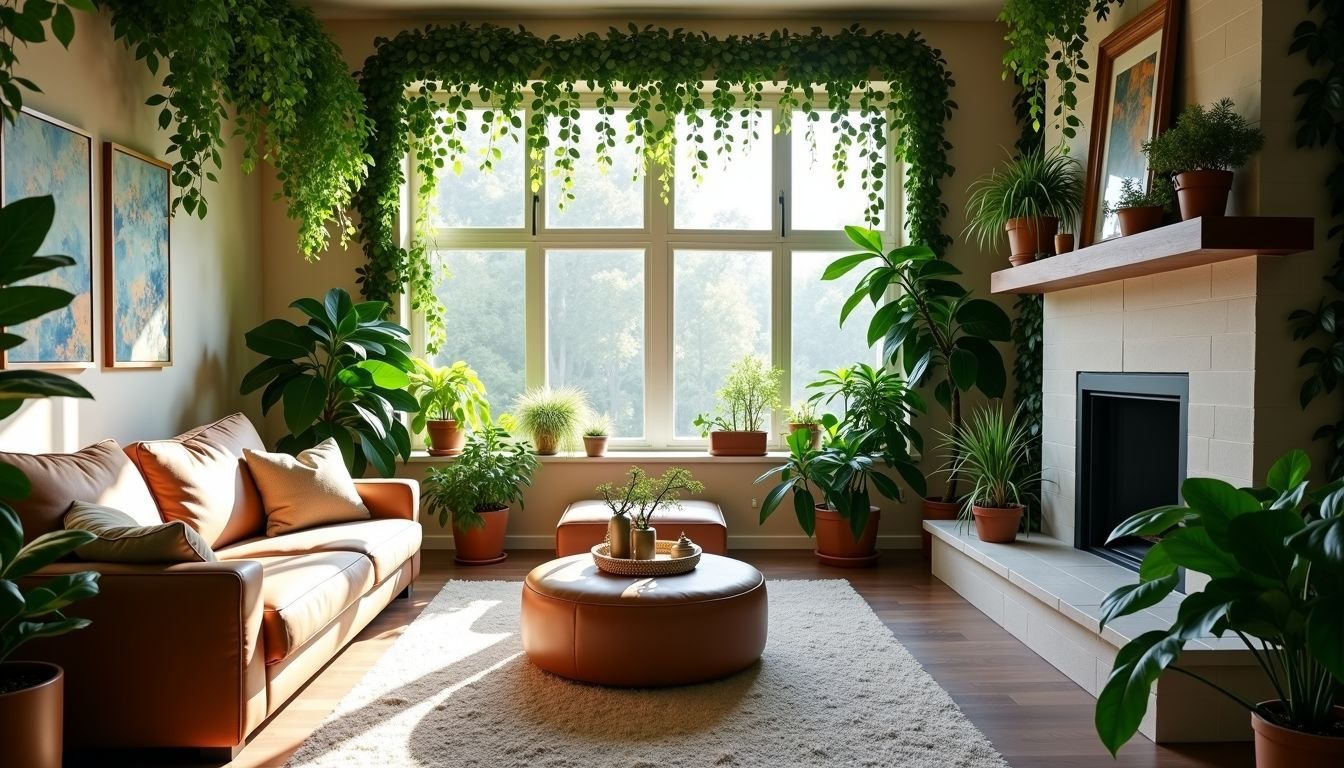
x,y
631,457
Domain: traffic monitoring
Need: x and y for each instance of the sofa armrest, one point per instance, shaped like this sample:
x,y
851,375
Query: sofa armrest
x,y
172,657
393,497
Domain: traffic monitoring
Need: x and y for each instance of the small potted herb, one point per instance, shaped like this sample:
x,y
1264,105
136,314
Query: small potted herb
x,y
551,417
1201,151
749,393
1139,210
451,398
991,456
595,435
476,491
1026,197
803,416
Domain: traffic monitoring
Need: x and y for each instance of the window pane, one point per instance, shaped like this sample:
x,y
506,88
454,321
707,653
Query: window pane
x,y
818,202
610,198
736,191
721,306
487,199
483,306
819,343
595,331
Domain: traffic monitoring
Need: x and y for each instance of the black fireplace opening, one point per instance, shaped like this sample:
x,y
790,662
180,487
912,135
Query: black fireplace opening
x,y
1131,455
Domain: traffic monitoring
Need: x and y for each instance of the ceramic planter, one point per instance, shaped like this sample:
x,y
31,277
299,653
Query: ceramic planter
x,y
996,525
1030,236
724,443
595,445
643,543
546,445
814,432
445,439
32,718
1063,243
836,544
1203,193
482,546
1140,218
937,509
1279,747
618,535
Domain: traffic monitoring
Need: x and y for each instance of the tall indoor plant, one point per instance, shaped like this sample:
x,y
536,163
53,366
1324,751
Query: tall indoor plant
x,y
1275,560
476,491
1200,152
451,399
551,416
342,375
992,452
750,392
1026,197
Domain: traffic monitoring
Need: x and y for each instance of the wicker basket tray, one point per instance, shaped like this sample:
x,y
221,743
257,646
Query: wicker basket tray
x,y
663,563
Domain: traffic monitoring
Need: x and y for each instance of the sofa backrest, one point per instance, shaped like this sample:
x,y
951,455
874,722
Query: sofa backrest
x,y
100,474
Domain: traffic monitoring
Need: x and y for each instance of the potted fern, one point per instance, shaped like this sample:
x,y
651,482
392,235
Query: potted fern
x,y
750,392
1026,197
451,399
1139,210
551,417
990,453
476,491
1200,152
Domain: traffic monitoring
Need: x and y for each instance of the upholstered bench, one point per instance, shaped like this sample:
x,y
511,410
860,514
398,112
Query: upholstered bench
x,y
584,525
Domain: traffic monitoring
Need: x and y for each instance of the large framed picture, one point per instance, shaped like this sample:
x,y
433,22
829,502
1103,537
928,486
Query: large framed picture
x,y
1131,104
40,155
137,247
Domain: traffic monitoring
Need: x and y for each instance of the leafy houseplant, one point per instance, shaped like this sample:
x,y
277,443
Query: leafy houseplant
x,y
342,375
803,415
551,416
28,23
992,452
451,398
1026,197
595,435
476,490
1200,152
633,505
1275,558
749,393
1140,210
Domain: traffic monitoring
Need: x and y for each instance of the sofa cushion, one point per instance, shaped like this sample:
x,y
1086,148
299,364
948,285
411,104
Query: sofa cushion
x,y
100,474
313,488
199,478
302,594
122,540
388,543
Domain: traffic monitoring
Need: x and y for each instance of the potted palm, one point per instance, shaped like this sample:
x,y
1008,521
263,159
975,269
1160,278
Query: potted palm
x,y
991,456
1200,152
749,393
476,491
595,435
451,398
1026,198
551,417
1139,210
803,415
1275,564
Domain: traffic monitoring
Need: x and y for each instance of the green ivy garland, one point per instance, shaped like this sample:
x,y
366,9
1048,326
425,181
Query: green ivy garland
x,y
1029,330
422,82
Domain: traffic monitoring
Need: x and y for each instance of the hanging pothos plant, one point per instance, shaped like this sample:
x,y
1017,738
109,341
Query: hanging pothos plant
x,y
419,86
28,23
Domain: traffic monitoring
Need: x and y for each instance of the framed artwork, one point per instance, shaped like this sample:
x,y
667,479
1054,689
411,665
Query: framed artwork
x,y
40,155
137,300
1131,104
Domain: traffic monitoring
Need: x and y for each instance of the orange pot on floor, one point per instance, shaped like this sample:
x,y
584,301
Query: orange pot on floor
x,y
836,544
936,509
997,525
32,718
482,546
1279,747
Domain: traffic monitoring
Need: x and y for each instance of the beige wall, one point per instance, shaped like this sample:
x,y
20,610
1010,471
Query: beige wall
x,y
215,266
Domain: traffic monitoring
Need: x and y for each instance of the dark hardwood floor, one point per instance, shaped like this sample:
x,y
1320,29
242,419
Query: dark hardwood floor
x,y
1034,715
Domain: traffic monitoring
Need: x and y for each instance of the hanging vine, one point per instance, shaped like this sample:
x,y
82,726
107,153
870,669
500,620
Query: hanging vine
x,y
418,86
1028,332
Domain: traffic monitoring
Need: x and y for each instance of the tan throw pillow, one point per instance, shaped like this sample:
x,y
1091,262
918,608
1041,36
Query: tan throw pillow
x,y
313,488
122,540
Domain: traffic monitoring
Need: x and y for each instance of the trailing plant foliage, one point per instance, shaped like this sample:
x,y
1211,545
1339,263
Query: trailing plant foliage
x,y
1029,324
1320,123
27,22
419,86
296,104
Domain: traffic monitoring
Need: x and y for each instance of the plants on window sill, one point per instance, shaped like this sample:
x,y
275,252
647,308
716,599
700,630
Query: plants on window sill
x,y
803,415
1026,197
990,454
552,417
595,435
1140,210
1200,152
452,399
749,393
476,491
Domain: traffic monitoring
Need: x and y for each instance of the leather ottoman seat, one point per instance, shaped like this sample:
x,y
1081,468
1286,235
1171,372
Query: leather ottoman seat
x,y
584,526
584,624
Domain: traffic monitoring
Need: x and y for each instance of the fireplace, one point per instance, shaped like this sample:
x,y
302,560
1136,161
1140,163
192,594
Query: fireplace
x,y
1131,455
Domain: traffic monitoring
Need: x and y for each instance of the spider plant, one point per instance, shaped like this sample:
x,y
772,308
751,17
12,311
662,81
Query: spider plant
x,y
551,416
1038,184
991,450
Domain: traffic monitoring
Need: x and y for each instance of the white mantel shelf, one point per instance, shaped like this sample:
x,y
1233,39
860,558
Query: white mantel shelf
x,y
1189,243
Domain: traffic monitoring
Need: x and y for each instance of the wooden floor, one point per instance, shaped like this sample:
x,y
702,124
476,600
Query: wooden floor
x,y
1034,715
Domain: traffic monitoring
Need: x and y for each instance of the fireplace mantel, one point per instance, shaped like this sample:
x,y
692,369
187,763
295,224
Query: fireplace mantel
x,y
1189,243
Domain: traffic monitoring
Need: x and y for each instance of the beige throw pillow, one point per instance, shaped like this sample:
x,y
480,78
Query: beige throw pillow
x,y
313,488
122,540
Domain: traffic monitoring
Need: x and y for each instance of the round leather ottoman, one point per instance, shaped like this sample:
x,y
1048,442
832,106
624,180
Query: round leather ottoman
x,y
582,623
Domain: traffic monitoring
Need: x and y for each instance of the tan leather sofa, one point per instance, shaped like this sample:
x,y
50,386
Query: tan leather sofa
x,y
200,654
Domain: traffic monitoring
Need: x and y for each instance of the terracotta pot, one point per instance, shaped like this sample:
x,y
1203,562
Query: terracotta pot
x,y
445,439
546,445
643,543
936,509
1063,243
836,544
32,718
724,443
482,546
1029,237
1140,218
1279,747
996,525
595,445
1203,193
618,535
814,431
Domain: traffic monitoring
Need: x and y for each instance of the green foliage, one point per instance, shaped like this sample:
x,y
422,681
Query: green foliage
x,y
1041,183
991,452
28,23
1159,195
1213,139
450,392
341,375
642,494
932,328
597,426
38,612
878,412
749,392
803,412
295,102
1028,364
419,85
490,475
1275,557
1320,123
552,415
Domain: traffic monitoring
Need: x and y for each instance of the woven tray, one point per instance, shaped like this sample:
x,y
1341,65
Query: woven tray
x,y
663,563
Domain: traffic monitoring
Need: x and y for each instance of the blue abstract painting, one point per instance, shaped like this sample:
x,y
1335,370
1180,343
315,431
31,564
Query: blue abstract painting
x,y
139,294
43,157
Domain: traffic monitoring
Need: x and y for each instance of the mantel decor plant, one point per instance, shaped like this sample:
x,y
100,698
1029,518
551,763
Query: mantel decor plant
x,y
1200,152
419,85
476,491
1026,197
749,394
452,400
1139,210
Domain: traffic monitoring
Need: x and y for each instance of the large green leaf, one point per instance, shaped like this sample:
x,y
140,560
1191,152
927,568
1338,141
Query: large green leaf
x,y
1258,541
1156,564
305,397
805,509
990,375
1325,634
1193,548
1123,701
13,483
12,602
1289,471
338,304
1133,598
24,224
43,551
843,265
11,535
280,338
1152,522
38,265
1209,495
26,385
385,375
1322,542
774,497
376,451
59,592
264,372
963,366
21,303
984,318
866,239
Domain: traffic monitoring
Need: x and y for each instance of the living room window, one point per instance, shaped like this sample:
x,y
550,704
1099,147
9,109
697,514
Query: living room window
x,y
644,303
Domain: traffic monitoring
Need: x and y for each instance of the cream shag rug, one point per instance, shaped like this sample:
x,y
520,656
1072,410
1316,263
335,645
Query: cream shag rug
x,y
833,688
